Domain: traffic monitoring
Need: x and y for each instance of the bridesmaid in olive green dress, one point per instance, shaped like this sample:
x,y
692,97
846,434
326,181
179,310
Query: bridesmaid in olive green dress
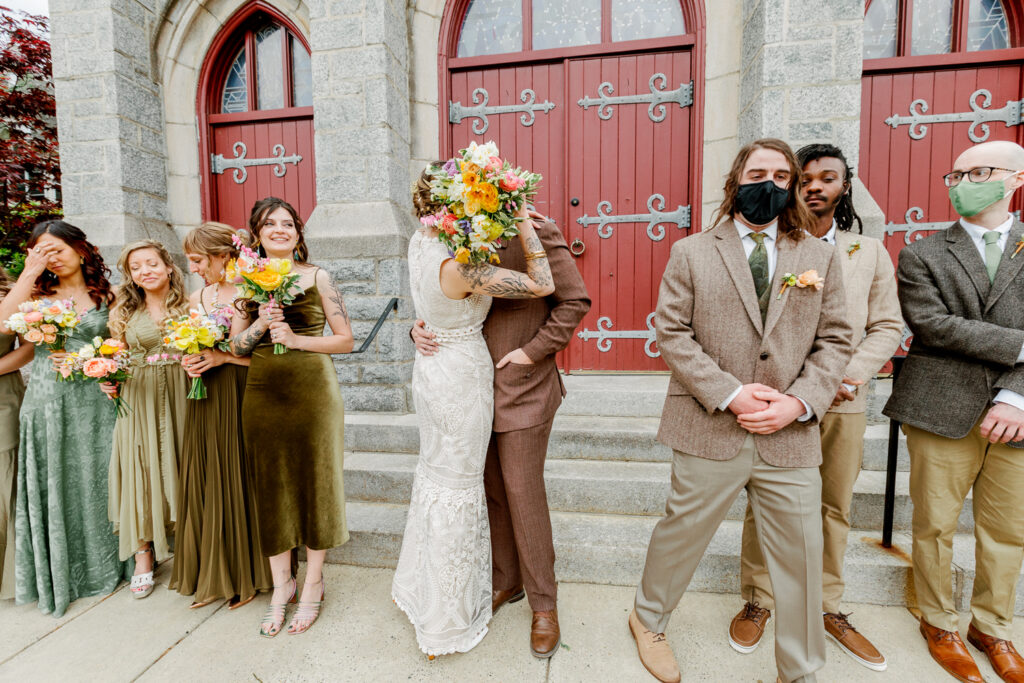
x,y
12,388
293,418
217,551
148,437
65,548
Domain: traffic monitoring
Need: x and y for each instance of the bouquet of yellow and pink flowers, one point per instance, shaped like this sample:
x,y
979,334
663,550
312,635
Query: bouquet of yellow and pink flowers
x,y
263,280
194,332
45,321
102,360
481,195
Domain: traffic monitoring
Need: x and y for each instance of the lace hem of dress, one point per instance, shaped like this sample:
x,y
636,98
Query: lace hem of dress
x,y
461,644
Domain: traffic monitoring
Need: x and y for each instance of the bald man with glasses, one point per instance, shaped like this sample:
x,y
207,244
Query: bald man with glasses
x,y
960,398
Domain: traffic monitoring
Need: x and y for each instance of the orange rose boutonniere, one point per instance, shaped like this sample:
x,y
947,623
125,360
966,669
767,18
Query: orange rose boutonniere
x,y
808,278
1019,245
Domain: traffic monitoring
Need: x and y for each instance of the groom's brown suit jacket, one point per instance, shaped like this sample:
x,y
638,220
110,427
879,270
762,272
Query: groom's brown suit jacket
x,y
529,395
710,333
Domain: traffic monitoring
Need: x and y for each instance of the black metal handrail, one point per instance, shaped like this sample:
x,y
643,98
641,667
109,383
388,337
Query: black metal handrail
x,y
891,465
392,306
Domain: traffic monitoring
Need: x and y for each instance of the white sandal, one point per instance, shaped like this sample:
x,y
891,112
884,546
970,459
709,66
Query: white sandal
x,y
142,584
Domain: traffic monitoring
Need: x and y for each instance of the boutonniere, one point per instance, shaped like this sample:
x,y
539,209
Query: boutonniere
x,y
808,278
853,248
1019,245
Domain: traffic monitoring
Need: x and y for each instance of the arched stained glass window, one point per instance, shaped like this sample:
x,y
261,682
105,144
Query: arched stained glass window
x,y
897,28
282,76
493,27
234,97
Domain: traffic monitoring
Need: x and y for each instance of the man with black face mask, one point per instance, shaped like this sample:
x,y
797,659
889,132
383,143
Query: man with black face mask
x,y
751,321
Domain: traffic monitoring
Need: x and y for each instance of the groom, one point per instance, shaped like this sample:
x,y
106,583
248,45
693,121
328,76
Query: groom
x,y
523,337
757,343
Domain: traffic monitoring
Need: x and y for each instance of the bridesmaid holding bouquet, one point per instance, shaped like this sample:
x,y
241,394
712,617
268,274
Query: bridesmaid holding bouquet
x,y
293,417
217,547
148,437
65,548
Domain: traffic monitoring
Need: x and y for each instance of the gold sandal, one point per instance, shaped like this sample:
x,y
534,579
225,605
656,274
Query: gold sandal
x,y
274,618
307,611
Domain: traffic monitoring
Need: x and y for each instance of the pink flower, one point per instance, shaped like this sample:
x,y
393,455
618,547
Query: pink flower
x,y
96,368
494,164
510,182
33,316
164,356
33,336
49,338
65,371
48,328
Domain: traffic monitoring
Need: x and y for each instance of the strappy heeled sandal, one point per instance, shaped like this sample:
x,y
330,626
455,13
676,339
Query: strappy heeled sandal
x,y
142,584
307,611
273,620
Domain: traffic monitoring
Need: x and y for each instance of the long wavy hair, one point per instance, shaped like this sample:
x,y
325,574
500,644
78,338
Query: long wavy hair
x,y
795,218
258,218
132,298
94,271
215,239
845,214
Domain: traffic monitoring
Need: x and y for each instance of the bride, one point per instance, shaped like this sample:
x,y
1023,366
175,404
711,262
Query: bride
x,y
443,579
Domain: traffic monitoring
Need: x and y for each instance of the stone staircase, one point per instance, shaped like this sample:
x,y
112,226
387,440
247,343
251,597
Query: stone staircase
x,y
607,480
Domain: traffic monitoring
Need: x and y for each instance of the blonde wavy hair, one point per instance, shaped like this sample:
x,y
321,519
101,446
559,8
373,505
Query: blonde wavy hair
x,y
214,239
131,297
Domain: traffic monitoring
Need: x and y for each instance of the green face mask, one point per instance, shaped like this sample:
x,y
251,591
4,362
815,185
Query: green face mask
x,y
970,199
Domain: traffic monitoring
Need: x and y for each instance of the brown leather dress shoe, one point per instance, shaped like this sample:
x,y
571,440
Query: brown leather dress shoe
x,y
747,627
839,629
545,635
499,598
1005,659
951,654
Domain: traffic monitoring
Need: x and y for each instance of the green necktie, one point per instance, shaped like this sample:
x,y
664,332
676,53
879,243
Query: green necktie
x,y
758,261
992,253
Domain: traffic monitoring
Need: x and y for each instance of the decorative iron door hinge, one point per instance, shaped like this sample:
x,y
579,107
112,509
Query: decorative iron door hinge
x,y
654,219
604,335
218,164
980,115
457,111
658,98
913,229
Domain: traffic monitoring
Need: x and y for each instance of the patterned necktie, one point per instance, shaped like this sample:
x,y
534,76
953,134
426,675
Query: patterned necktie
x,y
758,261
992,253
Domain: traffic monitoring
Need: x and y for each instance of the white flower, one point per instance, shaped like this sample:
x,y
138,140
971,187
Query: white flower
x,y
481,154
97,341
87,352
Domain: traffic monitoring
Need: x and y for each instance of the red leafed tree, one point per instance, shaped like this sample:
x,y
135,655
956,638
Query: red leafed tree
x,y
29,162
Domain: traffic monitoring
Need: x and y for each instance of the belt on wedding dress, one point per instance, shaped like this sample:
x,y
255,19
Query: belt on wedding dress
x,y
454,334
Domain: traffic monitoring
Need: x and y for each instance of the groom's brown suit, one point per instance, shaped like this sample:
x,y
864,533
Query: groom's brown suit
x,y
525,400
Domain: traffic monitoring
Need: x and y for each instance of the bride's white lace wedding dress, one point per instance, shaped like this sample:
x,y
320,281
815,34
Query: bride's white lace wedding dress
x,y
443,580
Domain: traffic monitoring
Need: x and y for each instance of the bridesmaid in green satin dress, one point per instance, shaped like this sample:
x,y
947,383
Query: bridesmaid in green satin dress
x,y
12,388
294,419
65,547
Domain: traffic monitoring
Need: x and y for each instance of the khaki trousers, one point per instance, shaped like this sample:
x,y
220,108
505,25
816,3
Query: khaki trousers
x,y
786,504
522,551
842,454
942,471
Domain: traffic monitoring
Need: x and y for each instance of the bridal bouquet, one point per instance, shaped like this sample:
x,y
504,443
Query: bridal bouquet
x,y
102,360
45,321
480,194
194,332
263,280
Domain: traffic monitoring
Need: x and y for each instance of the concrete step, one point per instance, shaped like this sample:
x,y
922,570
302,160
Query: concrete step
x,y
615,487
618,395
611,549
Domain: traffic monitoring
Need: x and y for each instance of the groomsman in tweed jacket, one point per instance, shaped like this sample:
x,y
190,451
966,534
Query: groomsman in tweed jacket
x,y
960,398
873,311
751,320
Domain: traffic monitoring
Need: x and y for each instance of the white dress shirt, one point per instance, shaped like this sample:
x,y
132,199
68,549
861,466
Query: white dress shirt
x,y
771,236
977,234
830,236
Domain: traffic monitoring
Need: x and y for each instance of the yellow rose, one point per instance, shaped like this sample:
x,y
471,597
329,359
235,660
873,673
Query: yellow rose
x,y
459,210
462,255
472,206
109,350
268,280
488,197
281,265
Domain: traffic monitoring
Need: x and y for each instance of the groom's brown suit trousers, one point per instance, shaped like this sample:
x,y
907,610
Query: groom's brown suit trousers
x,y
525,400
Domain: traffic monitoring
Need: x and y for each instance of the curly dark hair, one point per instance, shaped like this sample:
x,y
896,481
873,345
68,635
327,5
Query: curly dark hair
x,y
795,218
845,214
258,218
423,202
94,271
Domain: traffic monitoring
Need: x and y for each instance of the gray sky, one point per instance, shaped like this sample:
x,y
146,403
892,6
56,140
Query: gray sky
x,y
30,6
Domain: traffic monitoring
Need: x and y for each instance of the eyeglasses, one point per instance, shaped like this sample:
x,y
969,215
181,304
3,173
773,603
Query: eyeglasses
x,y
976,175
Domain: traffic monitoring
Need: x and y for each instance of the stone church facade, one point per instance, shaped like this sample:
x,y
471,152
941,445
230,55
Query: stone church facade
x,y
361,94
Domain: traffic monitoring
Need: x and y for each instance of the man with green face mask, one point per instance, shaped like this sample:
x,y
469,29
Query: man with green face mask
x,y
960,398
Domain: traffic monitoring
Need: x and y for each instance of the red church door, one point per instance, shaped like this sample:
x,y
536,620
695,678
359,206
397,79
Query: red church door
x,y
601,102
258,118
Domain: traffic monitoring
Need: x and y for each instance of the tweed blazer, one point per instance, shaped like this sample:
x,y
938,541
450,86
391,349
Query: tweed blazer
x,y
709,331
872,309
968,332
528,395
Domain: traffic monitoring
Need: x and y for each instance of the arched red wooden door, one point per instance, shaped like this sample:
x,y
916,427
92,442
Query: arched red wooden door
x,y
256,117
603,97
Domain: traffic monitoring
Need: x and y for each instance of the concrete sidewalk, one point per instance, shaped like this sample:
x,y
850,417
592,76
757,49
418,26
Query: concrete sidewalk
x,y
362,636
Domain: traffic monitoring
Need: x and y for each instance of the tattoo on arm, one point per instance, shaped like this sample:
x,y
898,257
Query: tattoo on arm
x,y
538,269
243,343
335,297
487,279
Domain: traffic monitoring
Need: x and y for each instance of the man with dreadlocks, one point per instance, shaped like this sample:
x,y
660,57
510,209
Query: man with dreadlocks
x,y
873,308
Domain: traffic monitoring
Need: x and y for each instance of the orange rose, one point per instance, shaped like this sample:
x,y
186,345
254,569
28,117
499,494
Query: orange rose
x,y
33,336
95,368
810,278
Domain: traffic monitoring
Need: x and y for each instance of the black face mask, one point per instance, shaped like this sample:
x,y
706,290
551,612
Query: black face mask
x,y
760,203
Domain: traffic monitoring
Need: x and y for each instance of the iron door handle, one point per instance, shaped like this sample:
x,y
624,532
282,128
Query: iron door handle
x,y
577,244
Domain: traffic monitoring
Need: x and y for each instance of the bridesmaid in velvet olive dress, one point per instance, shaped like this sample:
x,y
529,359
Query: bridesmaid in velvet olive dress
x,y
294,418
65,547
